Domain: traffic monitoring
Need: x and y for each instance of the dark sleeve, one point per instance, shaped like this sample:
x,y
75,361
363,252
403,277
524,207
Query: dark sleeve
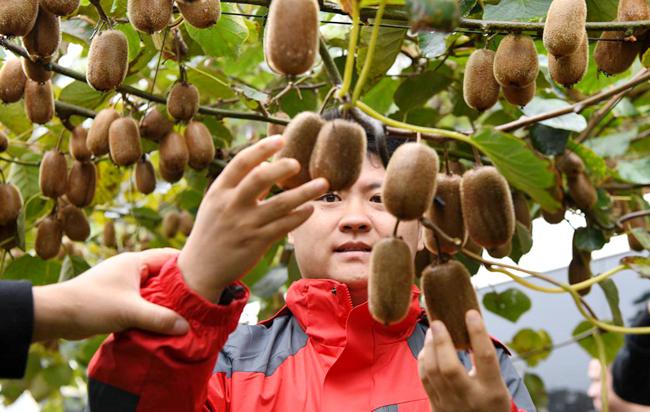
x,y
631,369
16,326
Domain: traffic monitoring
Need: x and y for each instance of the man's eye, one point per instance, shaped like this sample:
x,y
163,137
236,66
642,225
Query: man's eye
x,y
329,198
376,198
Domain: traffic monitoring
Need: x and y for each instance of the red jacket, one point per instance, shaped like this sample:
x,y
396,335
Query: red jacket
x,y
319,353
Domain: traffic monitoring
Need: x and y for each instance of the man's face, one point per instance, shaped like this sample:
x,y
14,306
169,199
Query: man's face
x,y
616,404
335,242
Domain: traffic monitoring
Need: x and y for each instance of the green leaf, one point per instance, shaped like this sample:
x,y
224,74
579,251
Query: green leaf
x,y
645,60
524,169
524,10
509,304
132,38
472,265
432,44
441,15
36,270
522,242
380,97
224,38
589,239
635,171
601,10
72,266
109,178
389,44
611,294
417,90
572,121
548,140
537,390
532,346
639,264
80,94
146,217
612,145
25,177
642,235
13,117
613,342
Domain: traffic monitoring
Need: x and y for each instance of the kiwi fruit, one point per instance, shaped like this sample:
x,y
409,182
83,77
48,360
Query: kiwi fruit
x,y
300,137
170,175
10,203
580,268
82,182
39,101
570,164
339,153
78,147
124,141
4,143
108,60
48,237
12,80
613,55
174,154
74,222
522,212
554,217
487,207
570,69
53,174
565,27
183,101
273,129
108,235
17,17
515,61
35,70
97,139
200,146
449,294
392,272
200,13
480,88
416,164
145,177
170,224
44,38
9,235
60,7
186,223
149,16
582,191
291,49
632,10
154,125
520,96
446,213
502,251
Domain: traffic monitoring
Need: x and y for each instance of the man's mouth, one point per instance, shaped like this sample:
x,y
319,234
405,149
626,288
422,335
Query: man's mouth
x,y
350,247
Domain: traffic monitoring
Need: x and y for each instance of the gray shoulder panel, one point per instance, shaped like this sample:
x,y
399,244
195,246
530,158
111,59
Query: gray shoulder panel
x,y
261,348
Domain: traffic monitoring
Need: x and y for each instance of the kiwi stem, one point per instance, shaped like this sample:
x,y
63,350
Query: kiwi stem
x,y
328,63
395,228
102,13
352,46
327,99
155,73
19,162
602,358
358,88
630,216
439,232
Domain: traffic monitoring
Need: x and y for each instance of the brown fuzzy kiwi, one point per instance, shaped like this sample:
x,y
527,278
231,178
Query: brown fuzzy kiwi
x,y
4,143
273,129
339,153
183,101
170,175
39,101
487,207
108,235
155,125
36,70
480,88
170,224
44,38
520,96
12,80
515,62
200,13
200,146
582,191
9,235
78,147
60,7
10,203
108,60
82,182
149,16
74,222
502,251
580,268
565,26
97,139
174,155
554,217
145,176
124,141
53,174
416,164
392,272
632,10
522,212
446,213
613,55
570,164
48,237
570,69
300,138
186,223
449,294
17,17
291,49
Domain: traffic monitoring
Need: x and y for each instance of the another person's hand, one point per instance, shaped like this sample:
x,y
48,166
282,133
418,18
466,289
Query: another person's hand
x,y
449,386
105,299
235,226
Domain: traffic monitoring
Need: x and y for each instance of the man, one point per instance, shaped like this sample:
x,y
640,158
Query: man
x,y
104,299
615,403
323,351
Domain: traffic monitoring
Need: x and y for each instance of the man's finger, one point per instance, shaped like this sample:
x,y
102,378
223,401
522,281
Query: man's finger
x,y
427,367
158,319
279,228
248,159
262,178
152,260
281,204
449,367
484,354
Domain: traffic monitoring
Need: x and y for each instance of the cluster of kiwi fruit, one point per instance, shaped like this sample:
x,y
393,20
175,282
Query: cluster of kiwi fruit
x,y
150,16
177,222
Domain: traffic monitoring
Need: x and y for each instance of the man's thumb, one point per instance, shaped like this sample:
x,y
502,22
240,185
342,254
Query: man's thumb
x,y
159,319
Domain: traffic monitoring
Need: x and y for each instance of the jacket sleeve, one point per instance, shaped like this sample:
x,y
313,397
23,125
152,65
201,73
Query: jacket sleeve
x,y
141,371
631,369
16,327
521,400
